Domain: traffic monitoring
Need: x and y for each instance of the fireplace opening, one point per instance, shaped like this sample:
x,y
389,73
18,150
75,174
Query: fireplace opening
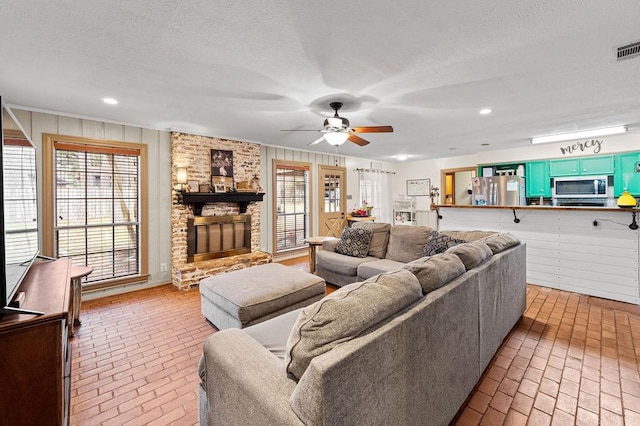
x,y
212,237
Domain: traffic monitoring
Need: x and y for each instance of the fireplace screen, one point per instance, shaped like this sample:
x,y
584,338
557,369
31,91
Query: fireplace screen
x,y
212,237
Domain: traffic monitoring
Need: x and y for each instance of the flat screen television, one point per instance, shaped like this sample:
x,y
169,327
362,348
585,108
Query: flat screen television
x,y
19,216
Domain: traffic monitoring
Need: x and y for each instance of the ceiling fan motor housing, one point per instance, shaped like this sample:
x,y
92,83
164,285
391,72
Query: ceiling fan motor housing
x,y
336,123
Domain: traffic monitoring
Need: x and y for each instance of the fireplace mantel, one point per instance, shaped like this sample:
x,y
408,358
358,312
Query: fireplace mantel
x,y
199,199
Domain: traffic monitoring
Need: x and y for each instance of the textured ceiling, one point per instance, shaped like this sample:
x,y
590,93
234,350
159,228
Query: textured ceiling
x,y
246,71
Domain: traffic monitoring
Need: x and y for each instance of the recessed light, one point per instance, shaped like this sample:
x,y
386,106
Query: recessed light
x,y
402,157
110,101
485,111
484,144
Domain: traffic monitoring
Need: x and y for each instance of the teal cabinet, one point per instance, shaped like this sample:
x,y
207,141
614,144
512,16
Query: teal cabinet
x,y
569,167
537,179
600,165
627,174
503,168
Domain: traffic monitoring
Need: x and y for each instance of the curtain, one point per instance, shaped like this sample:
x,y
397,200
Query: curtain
x,y
375,189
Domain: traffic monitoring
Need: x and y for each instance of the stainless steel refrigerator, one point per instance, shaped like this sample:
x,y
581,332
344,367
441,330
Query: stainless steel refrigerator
x,y
498,191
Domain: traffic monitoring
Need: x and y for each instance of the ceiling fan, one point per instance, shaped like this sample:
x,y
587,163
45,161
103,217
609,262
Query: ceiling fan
x,y
337,131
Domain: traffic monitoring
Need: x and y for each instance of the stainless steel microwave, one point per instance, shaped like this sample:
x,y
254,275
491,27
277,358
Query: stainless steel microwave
x,y
580,187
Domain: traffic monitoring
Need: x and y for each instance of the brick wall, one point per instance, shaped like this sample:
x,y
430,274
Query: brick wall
x,y
194,153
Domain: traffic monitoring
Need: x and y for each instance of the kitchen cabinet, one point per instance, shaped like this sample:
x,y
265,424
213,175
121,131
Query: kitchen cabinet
x,y
627,174
501,169
599,165
537,179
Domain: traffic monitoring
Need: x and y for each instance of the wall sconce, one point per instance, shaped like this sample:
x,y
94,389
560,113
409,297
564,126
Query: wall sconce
x,y
181,178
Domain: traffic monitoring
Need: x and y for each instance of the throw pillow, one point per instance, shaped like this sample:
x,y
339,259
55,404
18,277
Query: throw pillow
x,y
406,242
439,243
354,242
345,314
379,239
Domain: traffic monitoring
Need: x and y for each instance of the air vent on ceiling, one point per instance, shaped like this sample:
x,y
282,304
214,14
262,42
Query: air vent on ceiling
x,y
628,51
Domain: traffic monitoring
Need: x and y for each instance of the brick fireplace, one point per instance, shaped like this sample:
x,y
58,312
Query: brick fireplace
x,y
193,152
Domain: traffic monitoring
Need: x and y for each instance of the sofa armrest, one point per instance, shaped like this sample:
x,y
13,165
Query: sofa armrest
x,y
245,384
330,245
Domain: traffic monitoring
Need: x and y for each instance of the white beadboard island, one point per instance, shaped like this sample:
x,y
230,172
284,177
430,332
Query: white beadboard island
x,y
565,250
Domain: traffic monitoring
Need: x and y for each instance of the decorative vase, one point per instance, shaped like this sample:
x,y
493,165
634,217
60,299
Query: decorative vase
x,y
255,183
626,200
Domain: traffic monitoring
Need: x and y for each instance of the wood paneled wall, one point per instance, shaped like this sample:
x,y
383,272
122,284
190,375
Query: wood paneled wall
x,y
564,249
159,165
267,155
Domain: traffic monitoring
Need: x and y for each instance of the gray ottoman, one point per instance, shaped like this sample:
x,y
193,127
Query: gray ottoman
x,y
242,298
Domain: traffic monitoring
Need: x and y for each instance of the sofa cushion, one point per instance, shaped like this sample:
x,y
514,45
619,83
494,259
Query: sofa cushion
x,y
500,242
468,235
354,242
471,254
273,333
406,242
345,314
369,269
439,243
435,271
340,264
379,239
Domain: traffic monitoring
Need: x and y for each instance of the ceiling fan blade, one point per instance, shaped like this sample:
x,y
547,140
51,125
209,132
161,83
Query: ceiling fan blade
x,y
300,130
358,140
320,139
373,129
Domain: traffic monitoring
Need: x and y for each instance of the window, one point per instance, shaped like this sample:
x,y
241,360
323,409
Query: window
x,y
95,210
292,205
375,189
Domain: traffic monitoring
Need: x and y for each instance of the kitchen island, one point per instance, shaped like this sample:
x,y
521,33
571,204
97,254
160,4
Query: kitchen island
x,y
588,250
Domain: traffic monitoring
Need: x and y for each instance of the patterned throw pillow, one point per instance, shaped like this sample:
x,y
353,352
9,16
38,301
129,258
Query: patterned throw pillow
x,y
439,243
354,242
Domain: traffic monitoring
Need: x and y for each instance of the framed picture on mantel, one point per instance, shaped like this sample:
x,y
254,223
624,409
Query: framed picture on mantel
x,y
418,187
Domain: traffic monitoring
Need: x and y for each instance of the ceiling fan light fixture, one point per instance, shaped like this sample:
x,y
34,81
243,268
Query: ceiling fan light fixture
x,y
336,138
336,122
615,130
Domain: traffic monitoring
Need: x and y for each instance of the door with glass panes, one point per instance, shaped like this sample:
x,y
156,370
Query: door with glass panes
x,y
332,200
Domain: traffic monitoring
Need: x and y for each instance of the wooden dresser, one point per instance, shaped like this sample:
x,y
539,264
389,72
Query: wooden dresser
x,y
35,352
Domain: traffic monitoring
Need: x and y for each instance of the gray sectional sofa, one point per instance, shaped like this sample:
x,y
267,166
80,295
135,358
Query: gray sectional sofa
x,y
391,247
404,347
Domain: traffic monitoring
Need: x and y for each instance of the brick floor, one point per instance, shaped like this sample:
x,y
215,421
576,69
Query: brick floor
x,y
135,357
572,359
581,361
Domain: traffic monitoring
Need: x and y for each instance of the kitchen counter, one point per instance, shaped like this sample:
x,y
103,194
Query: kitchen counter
x,y
587,250
535,207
